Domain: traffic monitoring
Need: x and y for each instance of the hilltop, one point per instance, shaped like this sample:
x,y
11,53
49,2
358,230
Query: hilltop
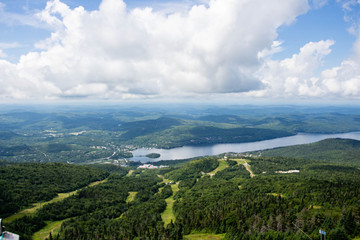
x,y
220,198
344,151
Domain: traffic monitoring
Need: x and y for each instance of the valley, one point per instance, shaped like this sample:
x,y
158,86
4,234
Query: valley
x,y
77,179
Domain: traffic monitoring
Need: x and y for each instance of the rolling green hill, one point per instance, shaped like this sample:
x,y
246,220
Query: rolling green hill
x,y
204,199
81,134
24,184
344,151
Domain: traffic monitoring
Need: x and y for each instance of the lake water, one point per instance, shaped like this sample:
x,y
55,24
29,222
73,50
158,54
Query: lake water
x,y
197,151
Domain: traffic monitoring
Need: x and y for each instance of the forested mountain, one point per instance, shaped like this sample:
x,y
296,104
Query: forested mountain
x,y
90,134
285,193
23,184
285,198
346,151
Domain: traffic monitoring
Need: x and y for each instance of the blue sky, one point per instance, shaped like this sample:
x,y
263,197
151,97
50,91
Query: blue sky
x,y
326,68
326,22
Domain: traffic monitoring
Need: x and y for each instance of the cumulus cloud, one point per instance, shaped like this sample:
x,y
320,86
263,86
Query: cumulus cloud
x,y
297,76
118,52
294,76
217,47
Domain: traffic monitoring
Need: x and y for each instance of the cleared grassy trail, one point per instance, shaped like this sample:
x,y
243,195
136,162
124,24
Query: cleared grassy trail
x,y
222,165
37,206
51,227
204,236
168,215
246,164
131,197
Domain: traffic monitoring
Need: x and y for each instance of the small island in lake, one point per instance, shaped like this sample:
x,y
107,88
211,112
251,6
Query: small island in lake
x,y
153,155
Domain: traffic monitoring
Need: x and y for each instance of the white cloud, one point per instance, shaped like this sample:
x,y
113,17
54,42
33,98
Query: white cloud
x,y
351,9
117,52
2,54
295,76
18,19
316,4
7,46
4,45
19,83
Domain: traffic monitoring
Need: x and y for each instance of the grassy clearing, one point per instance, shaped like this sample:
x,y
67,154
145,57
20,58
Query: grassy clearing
x,y
51,227
222,165
316,207
164,179
37,206
204,236
168,214
131,197
241,160
245,162
129,173
276,194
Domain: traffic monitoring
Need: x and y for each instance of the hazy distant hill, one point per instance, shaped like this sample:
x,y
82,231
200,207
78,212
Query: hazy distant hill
x,y
331,150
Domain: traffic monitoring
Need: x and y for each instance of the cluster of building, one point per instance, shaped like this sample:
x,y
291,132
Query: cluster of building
x,y
150,166
290,171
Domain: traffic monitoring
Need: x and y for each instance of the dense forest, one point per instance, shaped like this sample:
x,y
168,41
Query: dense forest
x,y
97,193
23,184
345,151
210,195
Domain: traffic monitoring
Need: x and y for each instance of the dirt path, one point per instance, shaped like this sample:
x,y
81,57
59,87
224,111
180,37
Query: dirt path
x,y
247,166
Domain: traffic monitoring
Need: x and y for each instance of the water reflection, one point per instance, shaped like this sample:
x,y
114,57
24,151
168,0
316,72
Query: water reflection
x,y
196,151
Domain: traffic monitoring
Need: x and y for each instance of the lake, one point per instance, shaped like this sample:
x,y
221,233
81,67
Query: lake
x,y
197,151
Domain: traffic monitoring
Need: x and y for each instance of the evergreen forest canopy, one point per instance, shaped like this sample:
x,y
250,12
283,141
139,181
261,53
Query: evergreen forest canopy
x,y
284,193
213,195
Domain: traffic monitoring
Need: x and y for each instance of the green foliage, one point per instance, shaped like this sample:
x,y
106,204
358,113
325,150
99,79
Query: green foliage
x,y
23,184
269,206
166,192
58,147
235,171
122,154
345,151
210,135
122,171
26,226
95,134
153,155
7,135
338,234
193,169
141,128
